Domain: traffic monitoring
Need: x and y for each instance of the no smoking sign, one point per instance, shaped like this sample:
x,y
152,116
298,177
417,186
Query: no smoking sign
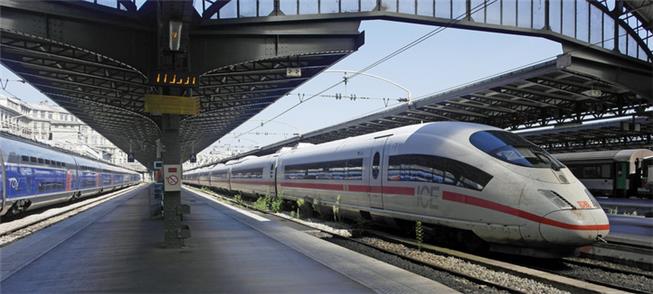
x,y
172,176
172,180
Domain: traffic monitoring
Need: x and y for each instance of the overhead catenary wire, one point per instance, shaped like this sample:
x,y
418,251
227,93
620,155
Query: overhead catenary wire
x,y
378,62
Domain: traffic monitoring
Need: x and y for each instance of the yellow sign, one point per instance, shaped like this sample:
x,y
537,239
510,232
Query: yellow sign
x,y
172,104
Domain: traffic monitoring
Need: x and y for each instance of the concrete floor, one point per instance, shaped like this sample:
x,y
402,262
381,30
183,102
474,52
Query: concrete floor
x,y
116,247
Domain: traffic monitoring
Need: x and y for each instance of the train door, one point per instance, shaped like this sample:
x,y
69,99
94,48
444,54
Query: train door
x,y
273,175
375,178
621,178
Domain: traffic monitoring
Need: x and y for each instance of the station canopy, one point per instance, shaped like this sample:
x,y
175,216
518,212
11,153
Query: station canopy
x,y
572,102
100,60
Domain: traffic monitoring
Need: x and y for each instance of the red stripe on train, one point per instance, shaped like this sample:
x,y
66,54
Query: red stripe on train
x,y
319,186
252,182
409,191
471,200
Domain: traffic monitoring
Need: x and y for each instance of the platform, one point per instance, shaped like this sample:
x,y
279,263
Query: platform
x,y
116,247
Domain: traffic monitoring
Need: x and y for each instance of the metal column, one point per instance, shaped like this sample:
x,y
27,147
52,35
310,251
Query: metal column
x,y
175,232
173,56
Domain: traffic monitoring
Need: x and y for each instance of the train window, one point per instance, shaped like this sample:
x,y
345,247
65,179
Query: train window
x,y
219,175
47,161
592,171
376,161
436,169
354,169
513,149
606,171
24,158
351,169
255,173
41,160
32,159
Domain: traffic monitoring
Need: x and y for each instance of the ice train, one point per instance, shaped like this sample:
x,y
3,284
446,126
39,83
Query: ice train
x,y
467,178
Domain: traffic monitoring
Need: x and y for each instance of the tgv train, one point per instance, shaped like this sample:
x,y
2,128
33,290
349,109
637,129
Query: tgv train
x,y
34,176
615,173
471,179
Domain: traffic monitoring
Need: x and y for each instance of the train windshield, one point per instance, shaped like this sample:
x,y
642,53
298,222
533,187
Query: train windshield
x,y
513,149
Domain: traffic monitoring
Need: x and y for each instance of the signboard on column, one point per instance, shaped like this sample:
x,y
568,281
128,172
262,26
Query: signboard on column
x,y
172,177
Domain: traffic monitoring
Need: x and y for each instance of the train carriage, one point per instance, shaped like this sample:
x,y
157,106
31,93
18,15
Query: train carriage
x,y
34,175
204,177
88,176
254,175
611,173
30,171
219,177
328,173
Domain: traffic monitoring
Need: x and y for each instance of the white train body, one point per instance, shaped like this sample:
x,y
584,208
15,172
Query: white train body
x,y
435,174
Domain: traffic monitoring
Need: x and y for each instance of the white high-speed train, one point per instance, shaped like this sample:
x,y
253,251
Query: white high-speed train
x,y
467,178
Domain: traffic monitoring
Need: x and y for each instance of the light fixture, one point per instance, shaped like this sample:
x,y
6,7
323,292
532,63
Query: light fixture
x,y
175,35
594,93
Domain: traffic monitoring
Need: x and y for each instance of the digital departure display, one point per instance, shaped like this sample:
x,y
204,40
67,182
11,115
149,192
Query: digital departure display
x,y
170,78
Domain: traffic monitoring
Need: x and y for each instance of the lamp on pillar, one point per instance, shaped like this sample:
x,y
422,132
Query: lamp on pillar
x,y
175,34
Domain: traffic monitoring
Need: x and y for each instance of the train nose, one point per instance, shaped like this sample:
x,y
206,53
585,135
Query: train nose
x,y
575,227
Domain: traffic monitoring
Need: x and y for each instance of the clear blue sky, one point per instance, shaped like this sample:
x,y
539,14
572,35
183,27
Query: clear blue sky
x,y
448,59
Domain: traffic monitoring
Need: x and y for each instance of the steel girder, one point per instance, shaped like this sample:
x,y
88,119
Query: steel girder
x,y
602,25
553,93
630,133
104,93
95,61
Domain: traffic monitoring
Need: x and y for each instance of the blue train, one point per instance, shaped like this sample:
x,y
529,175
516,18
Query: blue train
x,y
35,175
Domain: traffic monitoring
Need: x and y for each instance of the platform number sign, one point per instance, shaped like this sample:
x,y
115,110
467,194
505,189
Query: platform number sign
x,y
172,177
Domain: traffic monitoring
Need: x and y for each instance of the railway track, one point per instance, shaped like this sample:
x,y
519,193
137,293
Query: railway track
x,y
560,282
30,223
614,276
621,253
541,274
615,269
602,275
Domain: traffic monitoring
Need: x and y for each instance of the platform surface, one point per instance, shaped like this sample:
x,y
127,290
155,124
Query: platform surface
x,y
116,247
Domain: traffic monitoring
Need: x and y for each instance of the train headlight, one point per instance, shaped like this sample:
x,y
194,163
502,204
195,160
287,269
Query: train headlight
x,y
556,199
594,201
